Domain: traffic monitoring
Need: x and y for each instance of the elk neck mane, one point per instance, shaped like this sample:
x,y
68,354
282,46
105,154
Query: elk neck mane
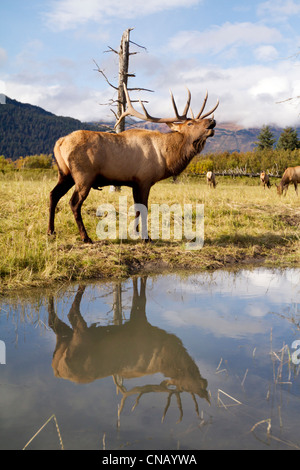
x,y
182,153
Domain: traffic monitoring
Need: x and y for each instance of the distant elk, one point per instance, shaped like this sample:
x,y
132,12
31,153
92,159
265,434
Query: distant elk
x,y
136,158
291,175
265,180
129,350
211,179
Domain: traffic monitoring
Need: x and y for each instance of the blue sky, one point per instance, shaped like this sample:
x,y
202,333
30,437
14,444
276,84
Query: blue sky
x,y
244,53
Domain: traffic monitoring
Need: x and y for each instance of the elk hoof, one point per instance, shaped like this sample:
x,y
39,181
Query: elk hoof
x,y
88,240
51,233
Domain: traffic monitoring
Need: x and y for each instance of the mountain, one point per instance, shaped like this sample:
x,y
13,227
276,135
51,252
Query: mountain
x,y
229,137
30,130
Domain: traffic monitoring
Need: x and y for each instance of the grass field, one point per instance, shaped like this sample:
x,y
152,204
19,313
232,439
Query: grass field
x,y
243,224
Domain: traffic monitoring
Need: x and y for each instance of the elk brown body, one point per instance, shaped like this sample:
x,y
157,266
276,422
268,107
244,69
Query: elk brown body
x,y
129,350
136,158
211,179
291,175
265,180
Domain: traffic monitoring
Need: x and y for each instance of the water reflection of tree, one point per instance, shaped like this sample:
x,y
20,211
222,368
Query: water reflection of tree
x,y
129,349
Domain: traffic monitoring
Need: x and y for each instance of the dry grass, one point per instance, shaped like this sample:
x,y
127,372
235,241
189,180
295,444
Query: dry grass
x,y
42,427
243,224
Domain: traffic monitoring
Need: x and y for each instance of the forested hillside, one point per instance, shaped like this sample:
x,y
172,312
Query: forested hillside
x,y
29,130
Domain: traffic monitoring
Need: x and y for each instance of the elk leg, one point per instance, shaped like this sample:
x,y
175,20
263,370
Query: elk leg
x,y
138,308
64,184
60,328
140,196
74,316
76,202
136,198
296,187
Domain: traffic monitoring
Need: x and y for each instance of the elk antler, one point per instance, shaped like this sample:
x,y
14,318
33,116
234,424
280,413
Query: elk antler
x,y
203,106
141,390
130,111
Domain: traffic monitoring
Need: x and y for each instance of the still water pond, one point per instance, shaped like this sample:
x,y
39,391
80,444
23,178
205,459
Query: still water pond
x,y
206,361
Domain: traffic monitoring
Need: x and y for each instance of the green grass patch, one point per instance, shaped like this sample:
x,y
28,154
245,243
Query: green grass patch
x,y
243,224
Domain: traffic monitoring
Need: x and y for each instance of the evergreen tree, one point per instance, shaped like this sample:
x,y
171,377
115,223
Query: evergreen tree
x,y
288,139
266,139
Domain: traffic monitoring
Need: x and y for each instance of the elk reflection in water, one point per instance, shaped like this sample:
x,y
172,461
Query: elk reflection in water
x,y
126,350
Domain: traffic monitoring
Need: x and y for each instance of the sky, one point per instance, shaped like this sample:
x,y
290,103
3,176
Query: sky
x,y
246,54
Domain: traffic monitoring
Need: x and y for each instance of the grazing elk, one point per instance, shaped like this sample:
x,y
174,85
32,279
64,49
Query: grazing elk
x,y
211,179
136,158
127,350
291,175
265,180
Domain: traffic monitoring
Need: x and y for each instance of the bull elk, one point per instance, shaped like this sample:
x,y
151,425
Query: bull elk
x,y
291,175
129,350
136,158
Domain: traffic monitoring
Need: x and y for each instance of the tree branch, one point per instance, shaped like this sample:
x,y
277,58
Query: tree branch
x,y
102,73
288,99
142,47
140,89
112,50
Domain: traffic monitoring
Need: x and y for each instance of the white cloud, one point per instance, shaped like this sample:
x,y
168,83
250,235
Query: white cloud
x,y
3,56
278,9
248,95
67,14
62,100
266,53
216,320
274,85
219,38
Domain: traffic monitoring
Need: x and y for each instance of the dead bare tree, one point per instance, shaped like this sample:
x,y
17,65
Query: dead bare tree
x,y
124,54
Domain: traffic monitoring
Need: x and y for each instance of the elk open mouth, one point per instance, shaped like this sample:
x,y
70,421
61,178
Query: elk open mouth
x,y
211,127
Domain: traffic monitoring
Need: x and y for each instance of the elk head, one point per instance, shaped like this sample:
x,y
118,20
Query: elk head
x,y
196,129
